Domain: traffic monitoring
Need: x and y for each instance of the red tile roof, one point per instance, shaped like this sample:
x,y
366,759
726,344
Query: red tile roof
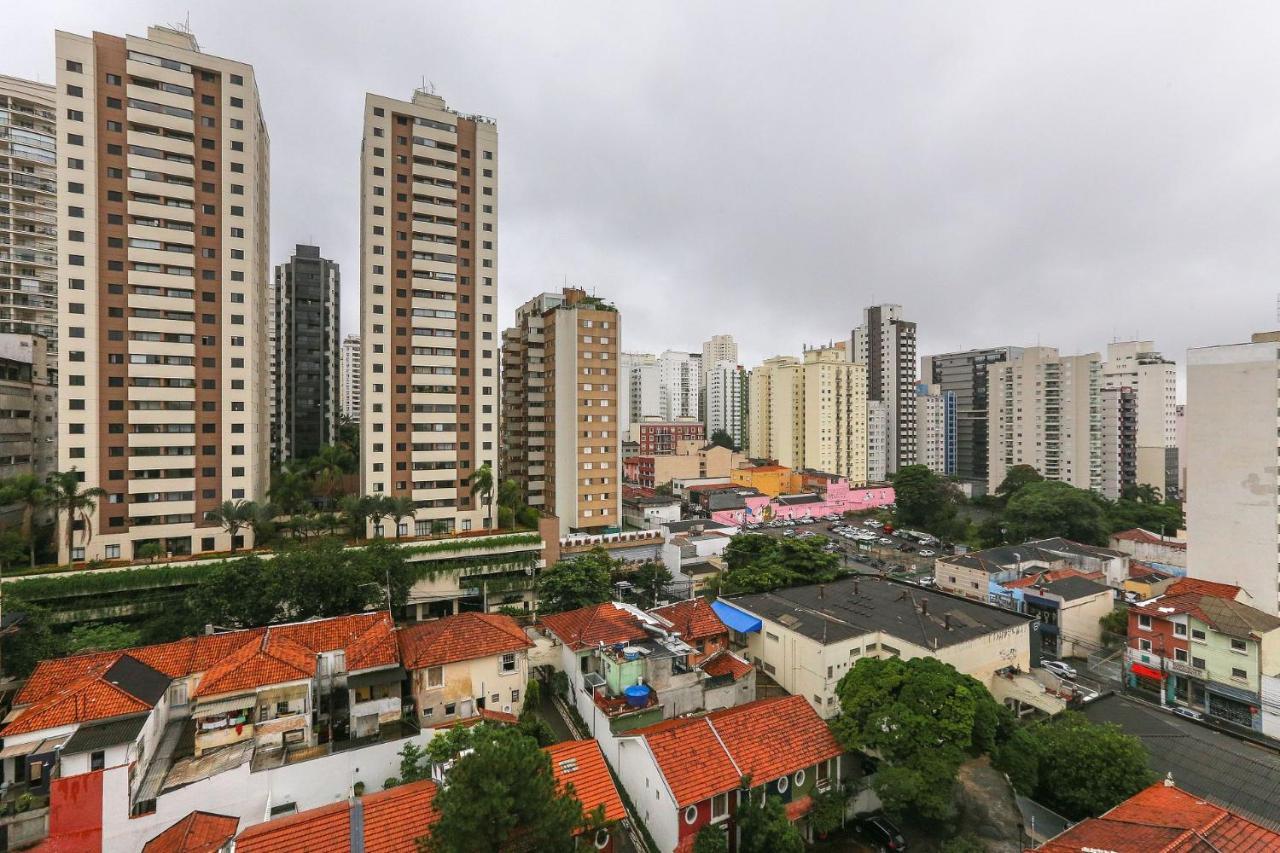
x,y
1139,569
581,764
393,821
463,637
272,660
725,663
1198,586
703,756
1168,819
587,627
693,618
89,698
1146,537
198,832
1050,577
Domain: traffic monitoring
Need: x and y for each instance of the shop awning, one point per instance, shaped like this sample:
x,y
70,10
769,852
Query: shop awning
x,y
1146,672
738,620
223,706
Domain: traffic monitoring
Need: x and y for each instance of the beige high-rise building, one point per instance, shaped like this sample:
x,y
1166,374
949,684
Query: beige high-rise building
x,y
562,407
1141,446
428,303
349,378
29,213
811,413
1233,491
1044,412
163,279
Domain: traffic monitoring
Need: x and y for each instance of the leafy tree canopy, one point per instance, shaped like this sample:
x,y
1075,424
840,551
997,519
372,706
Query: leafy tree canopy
x,y
1052,508
758,563
720,438
765,828
1018,476
926,500
579,582
711,839
650,579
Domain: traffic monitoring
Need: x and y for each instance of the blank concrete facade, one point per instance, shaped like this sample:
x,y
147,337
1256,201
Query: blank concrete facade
x,y
163,282
428,328
1233,493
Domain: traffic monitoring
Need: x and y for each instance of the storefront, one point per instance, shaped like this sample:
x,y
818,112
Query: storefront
x,y
1233,705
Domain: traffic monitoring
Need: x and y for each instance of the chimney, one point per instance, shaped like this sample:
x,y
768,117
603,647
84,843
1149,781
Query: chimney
x,y
924,607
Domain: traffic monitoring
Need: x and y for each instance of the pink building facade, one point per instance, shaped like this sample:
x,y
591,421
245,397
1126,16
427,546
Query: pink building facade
x,y
839,498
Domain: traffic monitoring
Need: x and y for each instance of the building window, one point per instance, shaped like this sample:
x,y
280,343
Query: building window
x,y
691,815
602,838
450,709
515,697
719,807
97,760
1144,622
435,676
1180,655
1179,629
113,552
1197,634
509,663
783,783
1239,646
1198,663
771,636
1239,674
1144,645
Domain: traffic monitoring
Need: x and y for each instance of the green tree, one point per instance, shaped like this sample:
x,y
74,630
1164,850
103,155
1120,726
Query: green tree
x,y
290,488
711,839
32,641
262,521
1115,625
720,438
1018,476
74,504
329,467
1053,508
1144,509
650,579
828,811
398,508
963,844
764,828
759,563
481,481
241,593
503,796
102,638
149,551
324,579
579,582
1077,768
926,500
232,516
27,491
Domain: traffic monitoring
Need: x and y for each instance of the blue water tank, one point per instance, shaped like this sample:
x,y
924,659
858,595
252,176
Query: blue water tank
x,y
637,695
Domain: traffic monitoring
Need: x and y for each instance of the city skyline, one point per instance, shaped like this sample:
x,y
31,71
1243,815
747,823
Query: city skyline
x,y
995,233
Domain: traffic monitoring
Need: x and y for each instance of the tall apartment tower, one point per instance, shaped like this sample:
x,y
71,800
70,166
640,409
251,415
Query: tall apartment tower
x,y
935,422
727,401
1153,429
1233,492
428,301
163,283
811,413
641,380
305,363
561,404
679,385
964,374
1044,411
29,215
878,424
715,349
886,344
349,378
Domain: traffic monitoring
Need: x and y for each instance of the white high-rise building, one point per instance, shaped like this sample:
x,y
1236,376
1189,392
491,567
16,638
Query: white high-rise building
x,y
428,306
727,401
1233,491
886,344
931,428
1142,447
163,263
641,381
877,441
679,385
1044,411
349,378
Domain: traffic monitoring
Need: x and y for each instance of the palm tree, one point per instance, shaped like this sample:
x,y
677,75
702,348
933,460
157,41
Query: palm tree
x,y
290,488
398,508
231,516
66,497
263,523
27,490
482,487
328,467
376,508
353,507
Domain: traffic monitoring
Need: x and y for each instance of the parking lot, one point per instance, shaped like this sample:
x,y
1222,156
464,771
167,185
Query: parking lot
x,y
886,552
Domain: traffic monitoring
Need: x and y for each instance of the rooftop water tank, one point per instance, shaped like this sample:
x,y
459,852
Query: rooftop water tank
x,y
637,695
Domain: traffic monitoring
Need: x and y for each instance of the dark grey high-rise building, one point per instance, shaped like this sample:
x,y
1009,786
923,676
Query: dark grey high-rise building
x,y
304,354
886,344
965,375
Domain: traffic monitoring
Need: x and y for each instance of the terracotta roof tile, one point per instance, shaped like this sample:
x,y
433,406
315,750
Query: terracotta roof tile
x,y
90,698
1199,586
726,663
393,821
463,637
1137,534
1049,577
691,759
587,627
694,619
581,764
272,660
198,832
1168,819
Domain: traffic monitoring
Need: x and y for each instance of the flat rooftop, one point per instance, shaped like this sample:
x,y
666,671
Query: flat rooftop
x,y
853,607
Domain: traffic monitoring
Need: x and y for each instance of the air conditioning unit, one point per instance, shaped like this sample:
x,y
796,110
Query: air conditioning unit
x,y
506,709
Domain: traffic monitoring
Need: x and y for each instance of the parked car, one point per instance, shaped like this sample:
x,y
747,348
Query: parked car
x,y
1058,668
928,580
1188,713
884,540
925,552
879,830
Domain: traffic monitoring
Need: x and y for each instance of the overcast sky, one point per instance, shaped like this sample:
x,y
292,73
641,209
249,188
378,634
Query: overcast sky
x,y
1010,173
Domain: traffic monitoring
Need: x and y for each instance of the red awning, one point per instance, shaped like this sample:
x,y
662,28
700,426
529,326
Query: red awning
x,y
1146,672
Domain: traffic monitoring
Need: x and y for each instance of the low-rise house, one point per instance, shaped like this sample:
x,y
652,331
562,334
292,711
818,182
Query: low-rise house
x,y
461,665
648,511
391,820
671,529
1166,818
1146,581
696,622
1166,552
822,496
690,460
688,773
579,765
198,832
1198,646
627,669
693,548
1068,604
806,638
981,574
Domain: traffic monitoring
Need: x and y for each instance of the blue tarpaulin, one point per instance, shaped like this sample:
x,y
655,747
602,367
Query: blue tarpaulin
x,y
742,622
